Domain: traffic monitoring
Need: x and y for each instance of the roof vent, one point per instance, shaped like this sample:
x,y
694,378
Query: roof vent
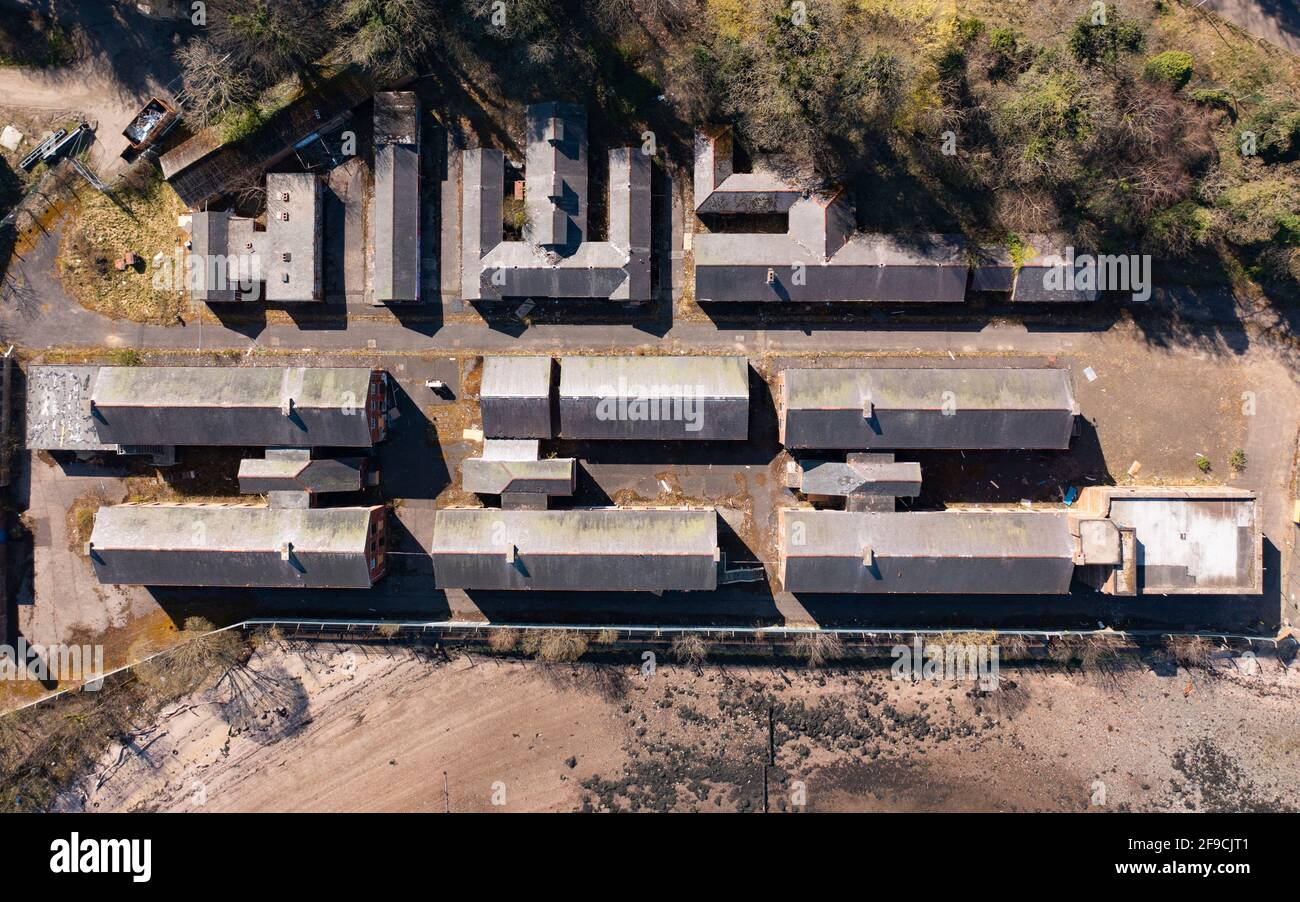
x,y
285,550
510,554
284,196
284,215
868,556
286,406
771,276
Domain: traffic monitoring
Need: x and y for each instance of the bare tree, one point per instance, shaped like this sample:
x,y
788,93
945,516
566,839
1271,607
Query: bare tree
x,y
213,85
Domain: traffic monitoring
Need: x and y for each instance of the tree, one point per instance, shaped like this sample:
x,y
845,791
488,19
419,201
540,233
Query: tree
x,y
269,38
389,37
1173,67
212,85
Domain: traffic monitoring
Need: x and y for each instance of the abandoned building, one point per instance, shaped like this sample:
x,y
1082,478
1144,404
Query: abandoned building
x,y
514,469
930,409
515,397
395,215
576,550
238,546
654,398
1027,276
292,477
259,406
968,552
864,481
231,259
556,257
820,257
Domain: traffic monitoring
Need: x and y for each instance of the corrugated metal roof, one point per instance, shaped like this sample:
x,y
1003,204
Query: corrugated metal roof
x,y
654,376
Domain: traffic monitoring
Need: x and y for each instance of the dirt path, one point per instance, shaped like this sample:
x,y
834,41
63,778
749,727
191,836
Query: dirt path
x,y
346,730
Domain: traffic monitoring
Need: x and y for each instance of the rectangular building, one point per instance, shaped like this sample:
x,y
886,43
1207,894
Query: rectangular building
x,y
927,409
292,264
577,550
515,397
268,406
235,546
654,398
395,217
958,552
513,467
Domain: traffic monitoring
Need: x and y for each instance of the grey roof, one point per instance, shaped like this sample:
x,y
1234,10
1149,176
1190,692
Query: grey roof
x,y
516,377
894,478
258,476
793,267
720,189
58,409
1192,540
297,237
555,173
927,408
287,406
217,545
395,218
654,398
496,476
209,247
968,552
395,223
595,376
1029,281
577,550
555,260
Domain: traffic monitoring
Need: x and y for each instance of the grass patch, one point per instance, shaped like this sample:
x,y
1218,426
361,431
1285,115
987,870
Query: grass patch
x,y
101,230
81,517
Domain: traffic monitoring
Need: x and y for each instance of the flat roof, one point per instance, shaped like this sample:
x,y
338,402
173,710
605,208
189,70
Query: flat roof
x,y
58,409
1191,543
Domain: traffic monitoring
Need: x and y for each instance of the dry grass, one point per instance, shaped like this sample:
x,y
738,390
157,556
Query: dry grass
x,y
1189,651
81,517
819,648
100,231
503,641
555,646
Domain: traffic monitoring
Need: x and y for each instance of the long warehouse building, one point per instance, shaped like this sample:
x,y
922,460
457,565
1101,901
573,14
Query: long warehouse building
x,y
654,398
237,546
576,550
927,409
296,407
961,552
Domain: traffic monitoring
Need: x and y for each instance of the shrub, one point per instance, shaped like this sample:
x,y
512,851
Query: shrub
x,y
1276,127
1203,463
1213,97
1181,227
1173,67
689,648
125,357
1256,211
555,646
1238,460
503,641
1093,43
1189,651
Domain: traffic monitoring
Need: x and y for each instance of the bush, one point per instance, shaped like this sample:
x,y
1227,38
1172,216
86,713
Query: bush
x,y
1237,461
689,648
503,641
1217,98
1256,212
1093,44
1203,463
1189,651
1181,227
125,357
1276,127
555,646
1173,67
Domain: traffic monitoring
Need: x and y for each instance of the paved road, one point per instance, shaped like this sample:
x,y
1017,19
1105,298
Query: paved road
x,y
1277,21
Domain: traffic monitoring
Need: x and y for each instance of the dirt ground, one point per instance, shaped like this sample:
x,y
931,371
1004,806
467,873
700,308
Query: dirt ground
x,y
347,728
